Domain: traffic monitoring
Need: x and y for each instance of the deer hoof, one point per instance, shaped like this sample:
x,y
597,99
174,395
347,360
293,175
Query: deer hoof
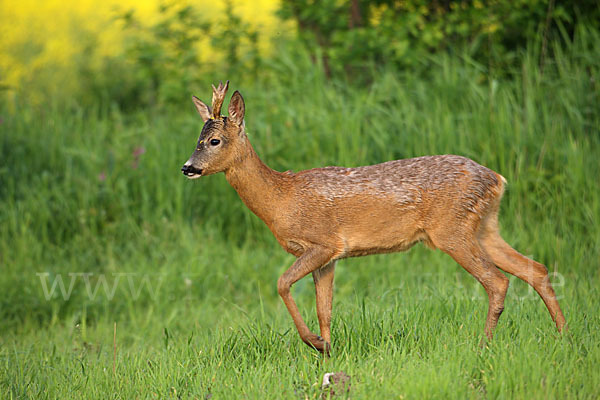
x,y
317,342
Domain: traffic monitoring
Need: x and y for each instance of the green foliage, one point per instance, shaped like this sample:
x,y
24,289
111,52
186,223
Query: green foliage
x,y
357,34
165,54
162,63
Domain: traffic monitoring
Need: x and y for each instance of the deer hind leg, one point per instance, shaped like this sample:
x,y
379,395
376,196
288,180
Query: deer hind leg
x,y
311,260
323,278
513,262
469,254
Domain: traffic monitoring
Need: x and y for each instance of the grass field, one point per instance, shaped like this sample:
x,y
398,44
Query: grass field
x,y
186,276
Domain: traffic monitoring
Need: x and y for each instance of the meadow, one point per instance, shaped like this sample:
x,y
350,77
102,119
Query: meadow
x,y
169,285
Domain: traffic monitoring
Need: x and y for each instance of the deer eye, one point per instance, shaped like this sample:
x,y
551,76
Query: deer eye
x,y
214,142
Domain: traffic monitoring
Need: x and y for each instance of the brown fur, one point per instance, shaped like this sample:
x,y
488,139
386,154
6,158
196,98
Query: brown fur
x,y
325,214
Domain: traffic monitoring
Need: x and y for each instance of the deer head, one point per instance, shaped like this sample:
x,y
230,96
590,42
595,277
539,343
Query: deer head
x,y
222,139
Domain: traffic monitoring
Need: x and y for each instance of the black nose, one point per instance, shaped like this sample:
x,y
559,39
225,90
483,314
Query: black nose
x,y
190,170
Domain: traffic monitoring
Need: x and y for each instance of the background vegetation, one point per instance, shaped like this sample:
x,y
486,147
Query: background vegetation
x,y
91,196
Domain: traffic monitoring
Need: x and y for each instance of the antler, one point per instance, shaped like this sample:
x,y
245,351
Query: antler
x,y
218,98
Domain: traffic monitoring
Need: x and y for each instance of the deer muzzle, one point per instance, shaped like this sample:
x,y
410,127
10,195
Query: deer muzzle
x,y
190,171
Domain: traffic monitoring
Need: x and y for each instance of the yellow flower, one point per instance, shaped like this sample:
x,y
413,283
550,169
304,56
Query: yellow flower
x,y
44,37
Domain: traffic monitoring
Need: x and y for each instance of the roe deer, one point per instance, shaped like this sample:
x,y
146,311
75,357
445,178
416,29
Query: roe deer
x,y
325,214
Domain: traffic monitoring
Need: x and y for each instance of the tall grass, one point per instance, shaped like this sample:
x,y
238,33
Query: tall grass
x,y
98,192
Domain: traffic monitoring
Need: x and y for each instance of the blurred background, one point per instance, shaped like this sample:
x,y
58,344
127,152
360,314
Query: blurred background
x,y
133,54
98,225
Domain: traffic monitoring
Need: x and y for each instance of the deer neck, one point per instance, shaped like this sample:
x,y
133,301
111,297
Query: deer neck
x,y
259,186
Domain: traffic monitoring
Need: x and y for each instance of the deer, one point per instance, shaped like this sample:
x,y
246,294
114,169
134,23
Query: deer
x,y
323,215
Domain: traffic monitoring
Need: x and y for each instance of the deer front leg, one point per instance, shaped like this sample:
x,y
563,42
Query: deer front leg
x,y
309,261
323,278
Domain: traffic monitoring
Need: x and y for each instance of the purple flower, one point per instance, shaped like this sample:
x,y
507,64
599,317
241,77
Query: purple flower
x,y
137,152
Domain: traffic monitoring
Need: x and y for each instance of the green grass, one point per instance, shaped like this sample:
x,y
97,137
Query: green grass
x,y
194,273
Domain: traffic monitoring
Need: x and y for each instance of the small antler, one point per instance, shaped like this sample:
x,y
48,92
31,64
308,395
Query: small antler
x,y
218,98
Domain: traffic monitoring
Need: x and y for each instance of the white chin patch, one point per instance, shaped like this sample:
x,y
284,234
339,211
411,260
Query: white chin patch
x,y
195,176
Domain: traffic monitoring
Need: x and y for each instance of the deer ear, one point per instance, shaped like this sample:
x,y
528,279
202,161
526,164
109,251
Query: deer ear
x,y
237,108
204,110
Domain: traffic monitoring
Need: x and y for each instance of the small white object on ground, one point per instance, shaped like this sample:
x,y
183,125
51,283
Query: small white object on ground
x,y
336,381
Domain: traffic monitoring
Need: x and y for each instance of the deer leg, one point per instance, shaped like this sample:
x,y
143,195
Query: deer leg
x,y
474,259
323,278
530,271
311,260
